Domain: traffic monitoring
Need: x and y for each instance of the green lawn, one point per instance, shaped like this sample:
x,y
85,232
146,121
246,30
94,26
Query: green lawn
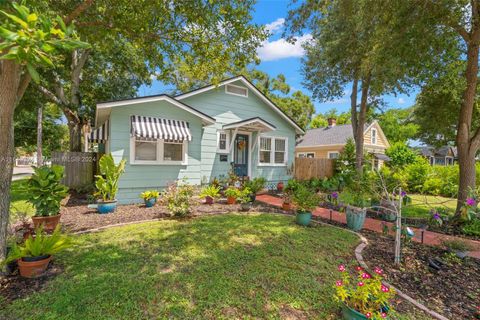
x,y
18,199
422,204
233,266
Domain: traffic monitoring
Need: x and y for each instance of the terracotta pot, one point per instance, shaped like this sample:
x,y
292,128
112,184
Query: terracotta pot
x,y
49,222
208,200
280,186
231,200
33,269
286,206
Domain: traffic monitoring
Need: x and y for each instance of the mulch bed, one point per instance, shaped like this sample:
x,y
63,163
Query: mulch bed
x,y
453,291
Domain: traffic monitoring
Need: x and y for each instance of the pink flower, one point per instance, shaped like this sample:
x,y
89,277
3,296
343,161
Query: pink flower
x,y
366,275
470,202
358,268
360,284
385,288
339,283
378,270
368,315
341,268
383,314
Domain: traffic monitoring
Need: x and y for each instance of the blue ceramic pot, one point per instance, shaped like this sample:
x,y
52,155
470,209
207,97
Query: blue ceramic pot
x,y
356,218
150,202
303,218
107,206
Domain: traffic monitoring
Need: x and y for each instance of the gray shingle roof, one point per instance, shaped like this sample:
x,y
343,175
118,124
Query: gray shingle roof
x,y
338,134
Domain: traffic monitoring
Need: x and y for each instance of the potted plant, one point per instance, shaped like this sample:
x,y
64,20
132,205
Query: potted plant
x,y
356,211
210,193
255,185
305,201
150,197
363,296
34,255
232,195
459,247
107,183
244,197
45,194
287,200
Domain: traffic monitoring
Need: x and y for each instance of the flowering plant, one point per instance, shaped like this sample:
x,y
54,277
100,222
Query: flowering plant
x,y
470,209
364,293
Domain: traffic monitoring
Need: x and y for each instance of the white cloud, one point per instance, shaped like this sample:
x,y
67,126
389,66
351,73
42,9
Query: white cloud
x,y
281,49
401,100
275,26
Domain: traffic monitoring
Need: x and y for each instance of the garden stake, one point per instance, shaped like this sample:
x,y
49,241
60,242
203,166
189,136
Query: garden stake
x,y
399,229
330,214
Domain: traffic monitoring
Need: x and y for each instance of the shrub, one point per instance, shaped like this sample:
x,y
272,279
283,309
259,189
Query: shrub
x,y
417,173
255,185
472,228
243,196
364,293
433,186
304,199
107,181
45,190
232,192
400,155
457,245
178,199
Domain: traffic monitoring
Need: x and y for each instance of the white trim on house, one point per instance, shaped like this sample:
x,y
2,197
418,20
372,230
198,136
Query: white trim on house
x,y
272,152
332,152
159,154
379,131
253,89
231,151
236,94
306,154
120,103
259,124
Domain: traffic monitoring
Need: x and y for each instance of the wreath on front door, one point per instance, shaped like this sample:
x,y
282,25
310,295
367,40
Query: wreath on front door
x,y
241,145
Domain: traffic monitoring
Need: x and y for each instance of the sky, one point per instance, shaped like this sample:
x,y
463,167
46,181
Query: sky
x,y
277,56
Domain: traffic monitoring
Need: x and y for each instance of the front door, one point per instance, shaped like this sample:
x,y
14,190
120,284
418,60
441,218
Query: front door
x,y
240,155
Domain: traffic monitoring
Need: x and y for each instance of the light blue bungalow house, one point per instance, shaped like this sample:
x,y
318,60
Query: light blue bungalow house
x,y
198,135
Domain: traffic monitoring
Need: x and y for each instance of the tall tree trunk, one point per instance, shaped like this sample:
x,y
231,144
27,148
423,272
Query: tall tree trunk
x,y
39,136
9,84
75,131
467,148
358,121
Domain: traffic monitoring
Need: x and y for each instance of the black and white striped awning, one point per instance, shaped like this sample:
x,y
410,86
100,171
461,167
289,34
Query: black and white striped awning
x,y
158,128
100,134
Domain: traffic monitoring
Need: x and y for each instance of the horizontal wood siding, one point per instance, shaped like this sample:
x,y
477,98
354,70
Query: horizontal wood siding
x,y
138,178
320,152
226,108
307,168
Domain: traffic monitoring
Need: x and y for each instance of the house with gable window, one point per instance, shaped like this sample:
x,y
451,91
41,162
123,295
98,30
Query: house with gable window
x,y
328,142
197,136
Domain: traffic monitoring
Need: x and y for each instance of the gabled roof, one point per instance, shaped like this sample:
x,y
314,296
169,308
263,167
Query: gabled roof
x,y
103,108
429,151
252,88
336,135
256,123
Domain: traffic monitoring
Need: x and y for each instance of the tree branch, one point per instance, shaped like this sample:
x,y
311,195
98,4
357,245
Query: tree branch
x,y
78,61
78,11
24,82
49,95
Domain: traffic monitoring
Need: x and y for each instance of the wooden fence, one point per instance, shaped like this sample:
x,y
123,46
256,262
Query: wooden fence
x,y
80,167
307,168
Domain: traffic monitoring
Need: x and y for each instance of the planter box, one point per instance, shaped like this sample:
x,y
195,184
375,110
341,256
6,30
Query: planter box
x,y
356,218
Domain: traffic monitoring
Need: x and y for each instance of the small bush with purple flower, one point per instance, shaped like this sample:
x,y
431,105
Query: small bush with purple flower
x,y
364,293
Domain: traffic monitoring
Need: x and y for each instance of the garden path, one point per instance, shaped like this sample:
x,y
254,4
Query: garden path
x,y
429,237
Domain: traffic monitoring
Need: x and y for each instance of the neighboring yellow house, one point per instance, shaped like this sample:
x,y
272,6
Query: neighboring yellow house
x,y
328,142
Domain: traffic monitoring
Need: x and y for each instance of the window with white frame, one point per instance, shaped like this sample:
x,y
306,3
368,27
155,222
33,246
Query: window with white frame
x,y
374,136
236,90
306,155
158,151
333,155
273,151
222,142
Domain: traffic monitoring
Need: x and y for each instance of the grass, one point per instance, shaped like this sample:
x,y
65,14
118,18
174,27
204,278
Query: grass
x,y
422,204
18,200
217,267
